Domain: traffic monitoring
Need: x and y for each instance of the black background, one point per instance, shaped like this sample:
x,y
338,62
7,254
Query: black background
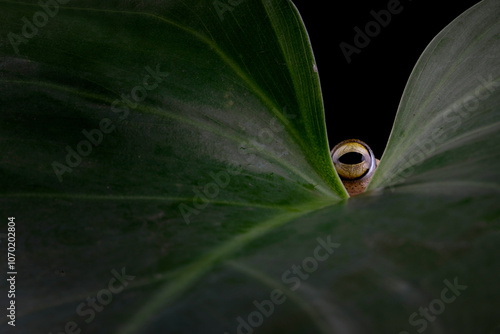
x,y
361,98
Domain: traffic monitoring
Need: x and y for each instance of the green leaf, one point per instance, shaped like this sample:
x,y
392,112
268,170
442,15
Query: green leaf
x,y
168,169
447,123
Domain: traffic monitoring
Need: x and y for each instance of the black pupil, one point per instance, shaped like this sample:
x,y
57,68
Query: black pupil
x,y
352,158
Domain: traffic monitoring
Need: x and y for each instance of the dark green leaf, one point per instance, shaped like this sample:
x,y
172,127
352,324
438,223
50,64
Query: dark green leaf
x,y
181,147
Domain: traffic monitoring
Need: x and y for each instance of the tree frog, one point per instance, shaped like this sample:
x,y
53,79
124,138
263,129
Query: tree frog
x,y
355,164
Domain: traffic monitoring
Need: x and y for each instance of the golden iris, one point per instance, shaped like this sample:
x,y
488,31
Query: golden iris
x,y
355,164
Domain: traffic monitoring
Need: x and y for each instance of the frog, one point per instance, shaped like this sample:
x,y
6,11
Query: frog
x,y
355,164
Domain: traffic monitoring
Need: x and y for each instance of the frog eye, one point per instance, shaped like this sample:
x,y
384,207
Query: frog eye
x,y
353,159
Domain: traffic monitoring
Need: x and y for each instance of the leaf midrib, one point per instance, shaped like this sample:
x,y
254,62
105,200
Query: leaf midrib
x,y
186,120
191,273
